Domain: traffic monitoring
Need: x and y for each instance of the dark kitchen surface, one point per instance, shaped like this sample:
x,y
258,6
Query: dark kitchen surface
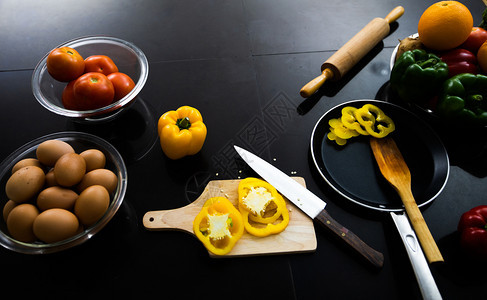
x,y
242,64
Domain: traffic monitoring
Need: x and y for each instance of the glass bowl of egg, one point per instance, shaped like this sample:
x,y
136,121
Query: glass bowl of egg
x,y
58,190
129,60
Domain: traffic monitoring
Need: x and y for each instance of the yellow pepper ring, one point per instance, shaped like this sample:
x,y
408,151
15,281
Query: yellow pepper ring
x,y
375,121
350,121
333,137
341,130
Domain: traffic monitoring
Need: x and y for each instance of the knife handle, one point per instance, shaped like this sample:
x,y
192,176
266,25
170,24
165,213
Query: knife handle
x,y
376,258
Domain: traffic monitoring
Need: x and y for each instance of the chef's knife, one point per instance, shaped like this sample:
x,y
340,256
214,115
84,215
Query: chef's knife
x,y
309,203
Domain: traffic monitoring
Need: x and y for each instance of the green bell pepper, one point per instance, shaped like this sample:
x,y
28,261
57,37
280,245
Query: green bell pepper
x,y
464,98
417,76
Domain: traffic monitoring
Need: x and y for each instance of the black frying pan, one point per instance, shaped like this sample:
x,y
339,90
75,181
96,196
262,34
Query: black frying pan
x,y
352,171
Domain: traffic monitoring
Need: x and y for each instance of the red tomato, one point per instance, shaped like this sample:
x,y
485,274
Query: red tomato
x,y
122,84
100,63
65,64
93,90
68,97
476,38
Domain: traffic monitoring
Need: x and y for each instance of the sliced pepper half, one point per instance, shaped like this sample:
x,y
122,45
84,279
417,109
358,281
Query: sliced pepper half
x,y
219,225
263,209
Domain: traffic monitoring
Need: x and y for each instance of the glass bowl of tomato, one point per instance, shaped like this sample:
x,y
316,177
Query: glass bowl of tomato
x,y
129,59
12,232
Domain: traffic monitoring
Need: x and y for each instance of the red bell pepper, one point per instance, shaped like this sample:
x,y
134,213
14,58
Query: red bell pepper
x,y
473,231
460,61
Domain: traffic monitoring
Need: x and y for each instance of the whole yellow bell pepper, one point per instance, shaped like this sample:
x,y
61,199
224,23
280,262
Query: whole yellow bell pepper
x,y
218,225
181,132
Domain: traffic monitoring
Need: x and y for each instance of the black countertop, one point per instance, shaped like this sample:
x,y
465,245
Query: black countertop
x,y
242,64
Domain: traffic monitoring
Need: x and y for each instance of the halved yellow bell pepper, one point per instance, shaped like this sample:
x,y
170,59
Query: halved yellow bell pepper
x,y
263,209
219,225
181,132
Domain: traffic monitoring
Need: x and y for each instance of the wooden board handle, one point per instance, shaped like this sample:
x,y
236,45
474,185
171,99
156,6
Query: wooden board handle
x,y
174,219
374,257
425,238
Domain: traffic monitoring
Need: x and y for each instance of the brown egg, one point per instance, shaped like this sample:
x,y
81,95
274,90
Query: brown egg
x,y
50,178
69,169
8,208
92,204
55,224
103,177
20,220
25,163
25,184
48,152
95,159
56,197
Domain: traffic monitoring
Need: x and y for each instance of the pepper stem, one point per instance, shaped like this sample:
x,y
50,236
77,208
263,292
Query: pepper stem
x,y
428,63
183,123
475,101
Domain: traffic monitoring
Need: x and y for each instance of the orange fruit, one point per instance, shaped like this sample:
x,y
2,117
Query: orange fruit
x,y
445,25
482,57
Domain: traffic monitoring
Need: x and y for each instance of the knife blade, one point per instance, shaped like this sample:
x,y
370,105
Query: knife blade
x,y
310,204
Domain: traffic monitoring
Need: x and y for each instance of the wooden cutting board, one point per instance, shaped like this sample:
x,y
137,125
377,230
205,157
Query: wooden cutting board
x,y
299,236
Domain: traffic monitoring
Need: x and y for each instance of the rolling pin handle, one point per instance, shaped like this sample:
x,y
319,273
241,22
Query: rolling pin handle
x,y
311,87
395,14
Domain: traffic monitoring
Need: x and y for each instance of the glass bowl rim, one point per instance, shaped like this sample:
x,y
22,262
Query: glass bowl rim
x,y
41,66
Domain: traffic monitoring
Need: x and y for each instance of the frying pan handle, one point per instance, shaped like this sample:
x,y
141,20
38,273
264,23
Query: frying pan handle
x,y
425,279
374,257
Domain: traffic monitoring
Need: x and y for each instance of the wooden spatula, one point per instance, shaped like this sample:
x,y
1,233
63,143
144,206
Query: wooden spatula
x,y
394,169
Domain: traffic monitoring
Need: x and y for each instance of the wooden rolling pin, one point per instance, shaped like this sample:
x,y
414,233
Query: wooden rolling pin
x,y
353,51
